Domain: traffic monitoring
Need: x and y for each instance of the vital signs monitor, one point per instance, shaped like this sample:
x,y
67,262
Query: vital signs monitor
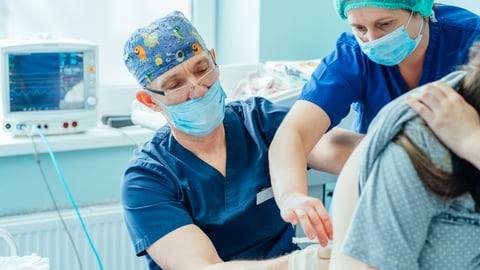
x,y
50,84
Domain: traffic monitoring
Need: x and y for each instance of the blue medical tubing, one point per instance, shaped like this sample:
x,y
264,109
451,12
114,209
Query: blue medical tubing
x,y
70,197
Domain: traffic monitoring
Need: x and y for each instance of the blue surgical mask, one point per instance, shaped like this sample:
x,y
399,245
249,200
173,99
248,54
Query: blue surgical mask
x,y
393,48
199,116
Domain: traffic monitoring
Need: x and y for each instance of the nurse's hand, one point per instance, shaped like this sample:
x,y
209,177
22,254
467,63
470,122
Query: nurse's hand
x,y
455,122
310,213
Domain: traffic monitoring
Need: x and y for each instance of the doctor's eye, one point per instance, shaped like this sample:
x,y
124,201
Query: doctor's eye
x,y
202,69
173,84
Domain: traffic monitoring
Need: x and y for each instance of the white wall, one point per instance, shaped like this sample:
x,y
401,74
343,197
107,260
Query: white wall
x,y
238,32
205,20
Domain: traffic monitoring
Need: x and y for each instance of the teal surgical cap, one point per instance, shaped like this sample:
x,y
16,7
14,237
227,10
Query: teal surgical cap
x,y
423,7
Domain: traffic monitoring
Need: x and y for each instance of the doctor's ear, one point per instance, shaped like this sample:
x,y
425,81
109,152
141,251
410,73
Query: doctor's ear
x,y
145,98
212,51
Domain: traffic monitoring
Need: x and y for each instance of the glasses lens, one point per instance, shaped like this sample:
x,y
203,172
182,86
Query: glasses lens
x,y
203,78
176,89
209,77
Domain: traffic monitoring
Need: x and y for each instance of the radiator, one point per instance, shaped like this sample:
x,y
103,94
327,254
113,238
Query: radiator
x,y
43,234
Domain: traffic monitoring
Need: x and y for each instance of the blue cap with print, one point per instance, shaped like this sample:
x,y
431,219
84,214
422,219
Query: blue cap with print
x,y
155,49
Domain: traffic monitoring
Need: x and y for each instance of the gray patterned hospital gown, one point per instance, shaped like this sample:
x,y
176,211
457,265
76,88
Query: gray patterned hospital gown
x,y
398,224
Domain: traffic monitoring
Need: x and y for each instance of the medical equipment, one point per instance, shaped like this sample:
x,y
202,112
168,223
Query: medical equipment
x,y
48,83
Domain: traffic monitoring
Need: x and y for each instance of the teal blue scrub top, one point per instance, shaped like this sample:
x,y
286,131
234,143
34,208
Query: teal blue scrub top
x,y
166,186
348,77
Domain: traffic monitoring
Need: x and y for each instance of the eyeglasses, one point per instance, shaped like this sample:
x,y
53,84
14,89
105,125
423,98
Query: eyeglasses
x,y
177,89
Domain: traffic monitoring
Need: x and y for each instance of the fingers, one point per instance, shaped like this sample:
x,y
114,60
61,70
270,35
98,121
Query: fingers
x,y
435,95
419,107
310,213
429,100
307,226
325,218
316,224
290,216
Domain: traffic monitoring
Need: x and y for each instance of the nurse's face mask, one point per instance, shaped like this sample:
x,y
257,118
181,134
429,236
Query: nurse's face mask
x,y
392,48
191,95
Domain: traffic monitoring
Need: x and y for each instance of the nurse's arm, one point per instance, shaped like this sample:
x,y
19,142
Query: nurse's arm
x,y
343,206
296,136
188,247
333,149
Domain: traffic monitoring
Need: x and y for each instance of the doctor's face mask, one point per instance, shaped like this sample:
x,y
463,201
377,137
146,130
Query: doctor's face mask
x,y
199,116
392,48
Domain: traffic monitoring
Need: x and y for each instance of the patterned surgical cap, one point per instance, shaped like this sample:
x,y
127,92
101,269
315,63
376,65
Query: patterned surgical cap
x,y
154,49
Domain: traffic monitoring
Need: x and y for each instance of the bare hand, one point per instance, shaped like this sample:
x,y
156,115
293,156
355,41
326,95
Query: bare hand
x,y
455,122
311,214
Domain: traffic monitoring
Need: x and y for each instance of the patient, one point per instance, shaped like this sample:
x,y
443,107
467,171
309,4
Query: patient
x,y
419,204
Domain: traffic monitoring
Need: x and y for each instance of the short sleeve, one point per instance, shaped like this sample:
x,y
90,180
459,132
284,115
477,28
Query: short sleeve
x,y
337,82
390,224
152,208
261,117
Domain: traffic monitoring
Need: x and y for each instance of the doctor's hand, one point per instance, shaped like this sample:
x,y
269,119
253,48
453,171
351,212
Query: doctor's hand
x,y
455,122
310,213
313,257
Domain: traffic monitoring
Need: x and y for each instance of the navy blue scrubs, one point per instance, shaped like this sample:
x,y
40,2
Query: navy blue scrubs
x,y
166,187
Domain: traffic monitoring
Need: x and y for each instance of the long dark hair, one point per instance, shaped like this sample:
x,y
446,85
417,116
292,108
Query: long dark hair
x,y
465,177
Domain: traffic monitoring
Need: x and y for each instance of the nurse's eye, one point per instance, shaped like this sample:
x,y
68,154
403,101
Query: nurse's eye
x,y
385,25
359,29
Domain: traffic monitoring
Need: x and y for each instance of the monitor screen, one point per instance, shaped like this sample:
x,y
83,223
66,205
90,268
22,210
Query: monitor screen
x,y
48,84
46,81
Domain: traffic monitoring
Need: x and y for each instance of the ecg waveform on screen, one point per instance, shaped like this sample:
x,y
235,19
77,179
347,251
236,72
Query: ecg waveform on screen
x,y
30,92
32,85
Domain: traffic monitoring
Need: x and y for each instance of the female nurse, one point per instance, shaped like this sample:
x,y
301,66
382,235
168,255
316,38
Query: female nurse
x,y
394,46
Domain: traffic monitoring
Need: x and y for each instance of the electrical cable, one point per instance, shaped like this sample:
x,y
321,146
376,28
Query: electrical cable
x,y
52,197
123,133
67,190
